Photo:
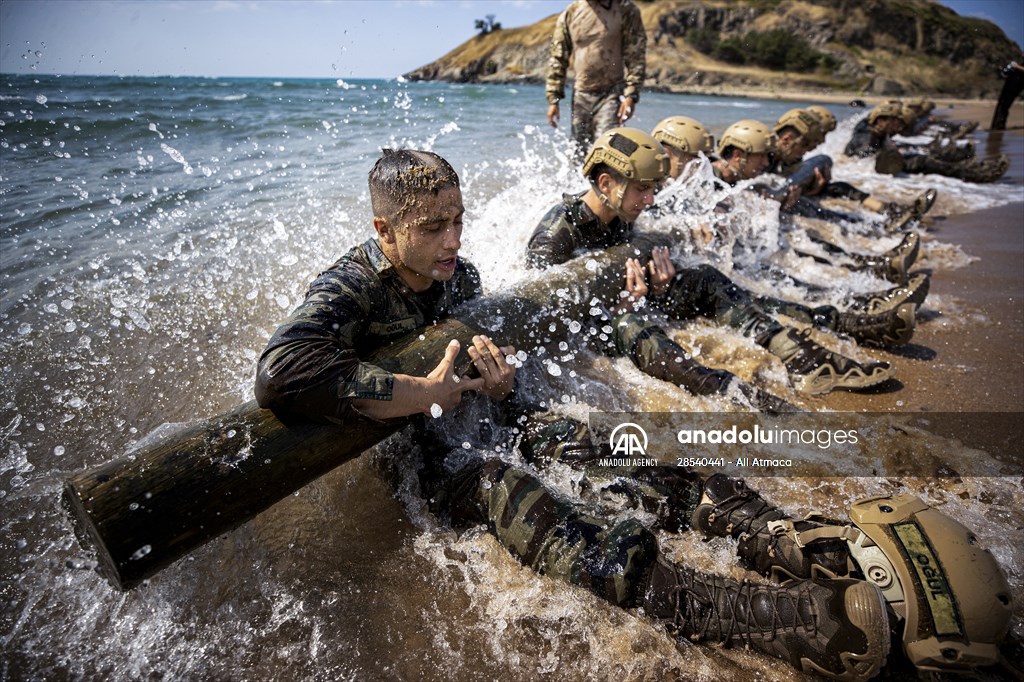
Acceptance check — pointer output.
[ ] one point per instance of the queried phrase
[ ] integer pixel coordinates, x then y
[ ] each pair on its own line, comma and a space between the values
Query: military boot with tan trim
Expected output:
835, 628
814, 370
768, 540
881, 330
914, 291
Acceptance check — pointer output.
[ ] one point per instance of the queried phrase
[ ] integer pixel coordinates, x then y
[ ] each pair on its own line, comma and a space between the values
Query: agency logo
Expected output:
629, 440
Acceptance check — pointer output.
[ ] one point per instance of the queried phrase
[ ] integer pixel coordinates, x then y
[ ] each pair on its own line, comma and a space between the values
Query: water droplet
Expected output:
436, 411
141, 552
58, 451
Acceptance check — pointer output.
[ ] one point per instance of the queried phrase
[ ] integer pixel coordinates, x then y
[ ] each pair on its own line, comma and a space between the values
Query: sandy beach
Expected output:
971, 361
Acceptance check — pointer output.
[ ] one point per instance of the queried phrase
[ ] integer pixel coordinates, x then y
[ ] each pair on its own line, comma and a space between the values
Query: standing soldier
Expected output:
608, 44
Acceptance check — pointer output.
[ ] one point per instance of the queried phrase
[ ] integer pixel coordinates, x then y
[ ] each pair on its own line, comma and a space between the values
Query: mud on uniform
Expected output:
609, 48
312, 369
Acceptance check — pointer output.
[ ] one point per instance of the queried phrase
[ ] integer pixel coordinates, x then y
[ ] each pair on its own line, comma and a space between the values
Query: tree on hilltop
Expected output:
487, 24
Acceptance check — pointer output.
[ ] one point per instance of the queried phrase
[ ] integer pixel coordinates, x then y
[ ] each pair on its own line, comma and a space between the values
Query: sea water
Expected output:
153, 232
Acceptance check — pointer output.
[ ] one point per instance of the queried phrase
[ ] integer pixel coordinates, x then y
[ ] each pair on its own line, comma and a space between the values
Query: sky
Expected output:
280, 38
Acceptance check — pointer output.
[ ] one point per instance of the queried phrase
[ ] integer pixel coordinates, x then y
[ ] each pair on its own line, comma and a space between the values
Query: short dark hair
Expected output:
785, 129
401, 174
730, 151
600, 168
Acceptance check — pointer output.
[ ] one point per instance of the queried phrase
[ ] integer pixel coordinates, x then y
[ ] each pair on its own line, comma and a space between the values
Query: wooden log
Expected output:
149, 508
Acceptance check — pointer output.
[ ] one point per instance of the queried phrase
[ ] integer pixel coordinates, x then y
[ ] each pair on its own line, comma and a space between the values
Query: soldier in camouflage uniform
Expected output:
624, 166
826, 122
410, 276
607, 41
874, 319
743, 149
872, 137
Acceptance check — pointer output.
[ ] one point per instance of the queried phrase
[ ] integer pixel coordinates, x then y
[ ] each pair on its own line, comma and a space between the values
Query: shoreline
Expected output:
966, 352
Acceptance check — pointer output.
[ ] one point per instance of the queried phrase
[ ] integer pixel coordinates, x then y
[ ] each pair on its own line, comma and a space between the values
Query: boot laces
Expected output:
727, 614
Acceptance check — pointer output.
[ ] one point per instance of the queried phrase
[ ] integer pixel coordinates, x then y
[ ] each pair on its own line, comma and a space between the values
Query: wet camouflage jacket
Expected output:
571, 226
604, 42
312, 365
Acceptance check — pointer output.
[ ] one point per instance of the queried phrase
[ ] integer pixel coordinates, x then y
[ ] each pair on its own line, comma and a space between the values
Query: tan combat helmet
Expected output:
631, 153
804, 122
890, 109
920, 105
753, 137
948, 590
944, 588
824, 116
910, 115
684, 134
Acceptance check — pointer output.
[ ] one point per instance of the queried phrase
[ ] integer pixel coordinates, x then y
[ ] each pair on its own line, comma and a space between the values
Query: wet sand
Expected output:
969, 358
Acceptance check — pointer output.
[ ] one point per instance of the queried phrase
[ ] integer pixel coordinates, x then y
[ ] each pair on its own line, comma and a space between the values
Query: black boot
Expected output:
924, 202
835, 628
883, 330
729, 508
901, 216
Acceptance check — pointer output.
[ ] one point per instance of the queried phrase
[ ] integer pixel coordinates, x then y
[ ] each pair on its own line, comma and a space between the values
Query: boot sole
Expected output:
899, 263
866, 609
924, 202
825, 380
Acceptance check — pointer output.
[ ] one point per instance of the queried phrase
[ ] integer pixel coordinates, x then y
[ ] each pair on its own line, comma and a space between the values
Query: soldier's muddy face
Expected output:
428, 237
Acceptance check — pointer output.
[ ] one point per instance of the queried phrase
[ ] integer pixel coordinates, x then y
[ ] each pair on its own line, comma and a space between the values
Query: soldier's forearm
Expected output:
410, 395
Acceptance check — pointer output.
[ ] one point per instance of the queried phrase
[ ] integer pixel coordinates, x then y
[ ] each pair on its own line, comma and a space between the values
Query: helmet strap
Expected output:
615, 206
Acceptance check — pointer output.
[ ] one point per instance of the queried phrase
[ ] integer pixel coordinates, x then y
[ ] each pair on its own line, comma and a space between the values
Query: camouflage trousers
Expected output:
570, 539
705, 292
654, 353
593, 113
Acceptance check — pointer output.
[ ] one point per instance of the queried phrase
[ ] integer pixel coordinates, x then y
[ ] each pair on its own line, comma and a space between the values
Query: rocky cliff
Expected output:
871, 47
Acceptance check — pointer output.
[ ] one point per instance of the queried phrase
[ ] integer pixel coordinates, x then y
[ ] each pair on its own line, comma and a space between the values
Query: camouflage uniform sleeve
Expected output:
634, 51
554, 240
558, 64
310, 367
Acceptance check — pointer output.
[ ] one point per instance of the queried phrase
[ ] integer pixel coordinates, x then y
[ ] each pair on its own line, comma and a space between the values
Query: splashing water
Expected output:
152, 234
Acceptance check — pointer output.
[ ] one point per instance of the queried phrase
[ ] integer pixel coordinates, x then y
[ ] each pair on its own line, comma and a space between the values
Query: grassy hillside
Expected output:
874, 47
